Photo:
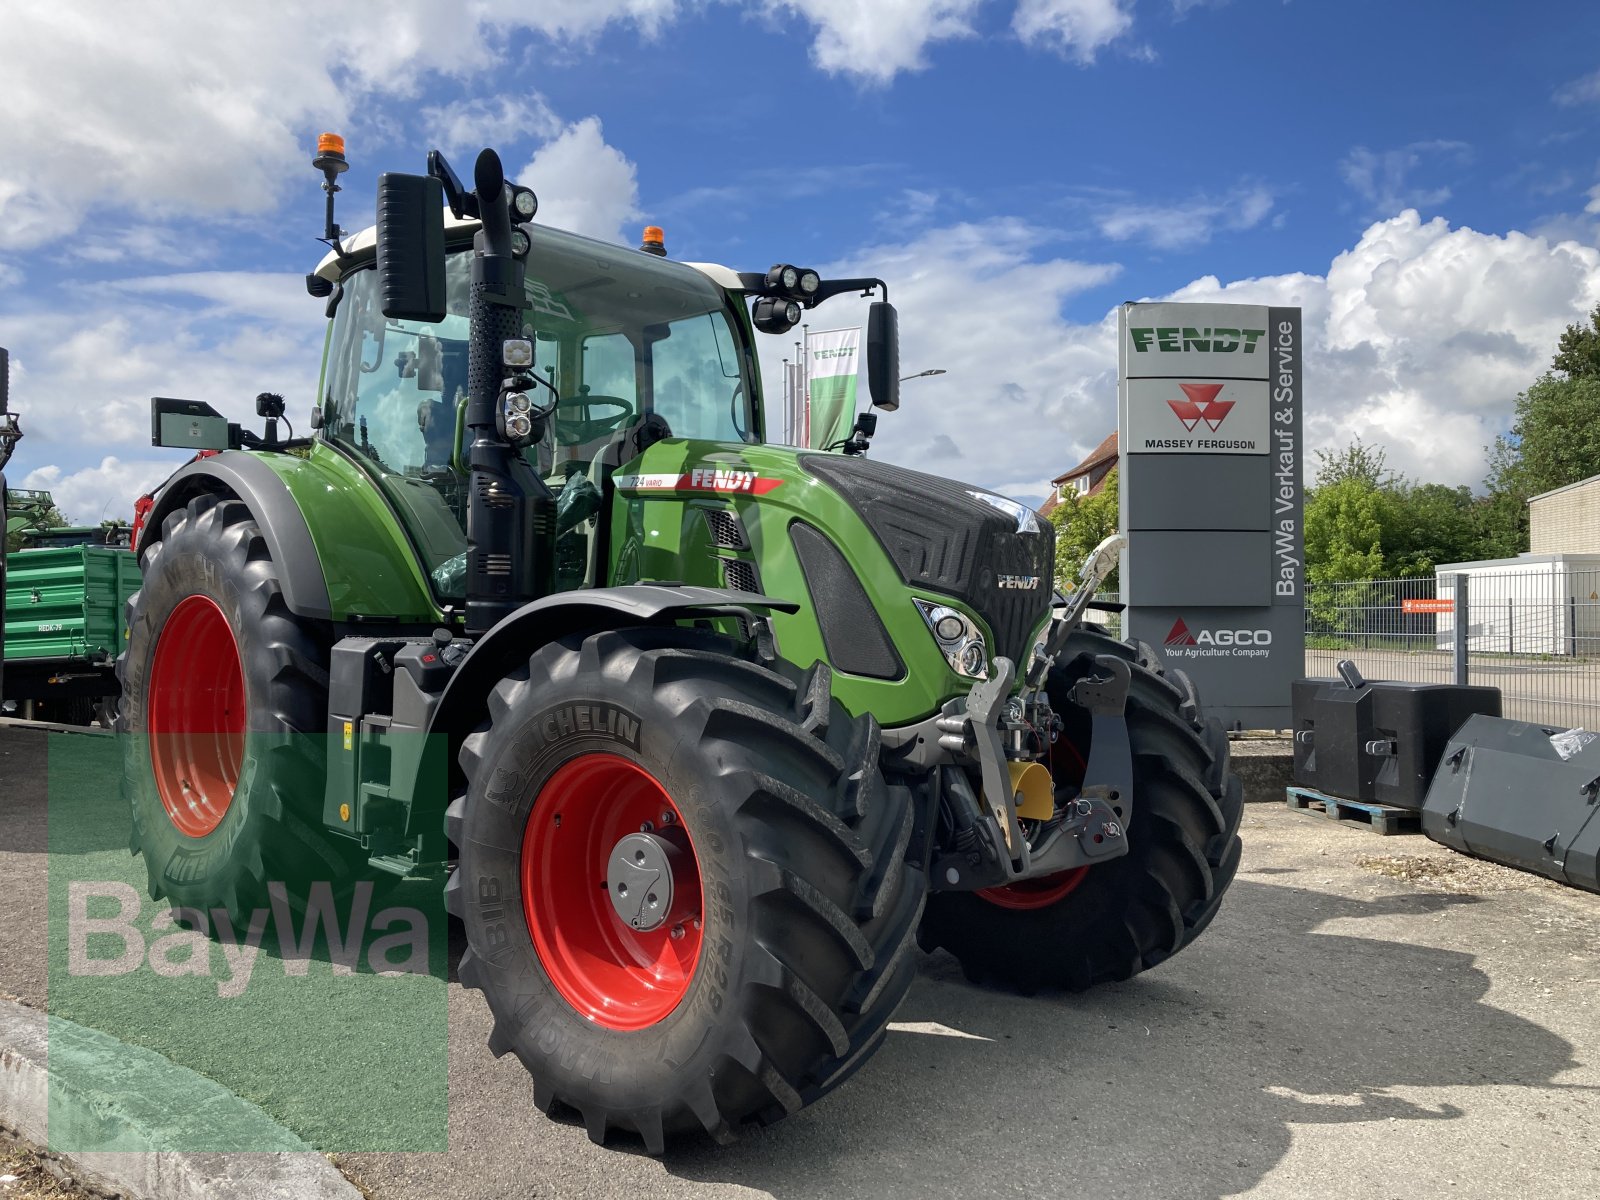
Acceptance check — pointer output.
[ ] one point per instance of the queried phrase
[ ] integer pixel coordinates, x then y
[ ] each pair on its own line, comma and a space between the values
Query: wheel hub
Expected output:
619, 958
640, 877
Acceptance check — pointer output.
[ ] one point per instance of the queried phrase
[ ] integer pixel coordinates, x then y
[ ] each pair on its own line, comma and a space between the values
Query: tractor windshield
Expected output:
618, 333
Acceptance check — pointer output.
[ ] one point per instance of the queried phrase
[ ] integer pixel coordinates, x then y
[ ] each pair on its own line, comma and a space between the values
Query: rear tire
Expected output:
224, 722
808, 908
1121, 917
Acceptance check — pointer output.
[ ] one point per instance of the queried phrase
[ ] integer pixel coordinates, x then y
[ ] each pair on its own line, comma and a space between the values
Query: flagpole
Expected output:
805, 331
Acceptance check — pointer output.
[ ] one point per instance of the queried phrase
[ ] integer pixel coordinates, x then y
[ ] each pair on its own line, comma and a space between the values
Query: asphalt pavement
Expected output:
1367, 1017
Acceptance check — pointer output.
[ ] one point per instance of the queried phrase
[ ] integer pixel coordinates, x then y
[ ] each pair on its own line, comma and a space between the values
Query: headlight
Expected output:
518, 427
775, 315
517, 402
960, 640
790, 279
524, 203
809, 282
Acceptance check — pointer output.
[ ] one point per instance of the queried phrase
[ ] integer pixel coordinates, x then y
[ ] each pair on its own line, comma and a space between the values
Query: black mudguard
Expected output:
463, 705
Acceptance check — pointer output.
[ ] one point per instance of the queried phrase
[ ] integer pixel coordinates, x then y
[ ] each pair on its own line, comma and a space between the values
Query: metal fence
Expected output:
1531, 630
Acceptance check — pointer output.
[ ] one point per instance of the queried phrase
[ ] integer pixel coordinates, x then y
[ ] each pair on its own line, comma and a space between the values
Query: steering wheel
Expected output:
589, 428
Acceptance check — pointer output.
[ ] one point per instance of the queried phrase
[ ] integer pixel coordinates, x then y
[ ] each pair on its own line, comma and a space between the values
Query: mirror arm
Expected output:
838, 287
755, 284
462, 202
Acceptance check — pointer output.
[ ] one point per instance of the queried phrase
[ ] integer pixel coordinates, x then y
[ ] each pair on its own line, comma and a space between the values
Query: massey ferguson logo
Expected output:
1021, 583
1207, 643
1202, 405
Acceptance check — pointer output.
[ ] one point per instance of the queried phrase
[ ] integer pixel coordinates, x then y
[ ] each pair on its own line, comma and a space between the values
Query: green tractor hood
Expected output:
857, 544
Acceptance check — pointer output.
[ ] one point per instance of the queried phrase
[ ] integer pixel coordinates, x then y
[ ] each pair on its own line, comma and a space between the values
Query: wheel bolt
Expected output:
646, 827
677, 932
666, 818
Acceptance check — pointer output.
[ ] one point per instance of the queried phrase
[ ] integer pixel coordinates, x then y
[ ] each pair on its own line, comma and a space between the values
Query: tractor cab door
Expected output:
622, 337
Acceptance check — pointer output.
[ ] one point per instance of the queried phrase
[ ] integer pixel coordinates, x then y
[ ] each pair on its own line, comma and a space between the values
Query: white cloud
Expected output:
1411, 345
1189, 223
1020, 380
470, 125
1594, 200
1386, 179
1585, 90
583, 184
101, 493
874, 40
1075, 29
99, 117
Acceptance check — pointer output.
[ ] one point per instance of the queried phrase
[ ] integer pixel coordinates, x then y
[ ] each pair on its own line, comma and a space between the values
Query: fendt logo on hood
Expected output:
1208, 643
1202, 405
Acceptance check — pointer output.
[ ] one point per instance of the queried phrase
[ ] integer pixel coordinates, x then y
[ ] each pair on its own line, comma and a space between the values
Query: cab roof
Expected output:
364, 245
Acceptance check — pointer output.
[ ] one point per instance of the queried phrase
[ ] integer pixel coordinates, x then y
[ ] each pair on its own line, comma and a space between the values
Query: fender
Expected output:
283, 526
589, 610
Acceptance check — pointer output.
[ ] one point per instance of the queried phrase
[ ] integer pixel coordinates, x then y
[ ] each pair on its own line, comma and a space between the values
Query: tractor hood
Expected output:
990, 553
859, 545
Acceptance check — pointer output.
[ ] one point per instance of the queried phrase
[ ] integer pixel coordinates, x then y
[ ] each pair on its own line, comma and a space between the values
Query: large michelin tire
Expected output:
1110, 921
794, 933
224, 721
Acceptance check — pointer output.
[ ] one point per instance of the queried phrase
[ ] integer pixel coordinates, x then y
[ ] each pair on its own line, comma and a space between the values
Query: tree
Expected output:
1344, 532
1426, 524
1355, 461
1554, 441
1082, 523
1578, 351
42, 517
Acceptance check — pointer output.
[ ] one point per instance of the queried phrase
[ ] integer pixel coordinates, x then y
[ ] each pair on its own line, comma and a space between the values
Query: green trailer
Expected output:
64, 627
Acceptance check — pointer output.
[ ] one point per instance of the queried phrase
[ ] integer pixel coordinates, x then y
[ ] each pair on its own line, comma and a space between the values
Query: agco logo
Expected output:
1202, 405
1181, 635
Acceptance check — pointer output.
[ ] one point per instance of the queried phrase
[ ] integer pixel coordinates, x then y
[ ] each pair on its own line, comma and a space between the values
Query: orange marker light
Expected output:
654, 241
654, 233
330, 143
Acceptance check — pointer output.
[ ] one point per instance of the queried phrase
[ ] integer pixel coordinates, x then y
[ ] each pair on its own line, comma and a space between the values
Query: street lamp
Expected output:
923, 374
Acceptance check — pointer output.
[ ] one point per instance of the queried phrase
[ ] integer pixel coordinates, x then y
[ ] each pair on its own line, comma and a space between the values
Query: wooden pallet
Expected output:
1380, 818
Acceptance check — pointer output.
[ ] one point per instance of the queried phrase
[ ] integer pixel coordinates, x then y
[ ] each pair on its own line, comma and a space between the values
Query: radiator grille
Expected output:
725, 529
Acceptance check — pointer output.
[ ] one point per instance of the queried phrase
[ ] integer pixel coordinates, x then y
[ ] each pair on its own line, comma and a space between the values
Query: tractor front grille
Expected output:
943, 537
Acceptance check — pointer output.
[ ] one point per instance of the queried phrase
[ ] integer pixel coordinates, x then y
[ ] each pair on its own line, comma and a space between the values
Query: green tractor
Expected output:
730, 727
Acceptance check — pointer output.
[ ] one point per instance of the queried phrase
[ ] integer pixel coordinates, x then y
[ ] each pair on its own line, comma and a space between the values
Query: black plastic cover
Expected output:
1379, 742
852, 632
1504, 792
942, 537
411, 247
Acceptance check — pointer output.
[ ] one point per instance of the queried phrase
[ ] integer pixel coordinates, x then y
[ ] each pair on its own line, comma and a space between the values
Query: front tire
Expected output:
793, 936
224, 721
1110, 921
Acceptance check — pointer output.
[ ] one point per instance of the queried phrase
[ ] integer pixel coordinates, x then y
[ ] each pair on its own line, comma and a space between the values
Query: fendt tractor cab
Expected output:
728, 727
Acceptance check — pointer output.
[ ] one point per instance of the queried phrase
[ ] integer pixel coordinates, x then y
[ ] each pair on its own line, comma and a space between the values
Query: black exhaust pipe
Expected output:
511, 514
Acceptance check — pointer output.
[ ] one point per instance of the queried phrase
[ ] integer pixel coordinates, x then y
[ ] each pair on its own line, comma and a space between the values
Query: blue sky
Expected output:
1424, 178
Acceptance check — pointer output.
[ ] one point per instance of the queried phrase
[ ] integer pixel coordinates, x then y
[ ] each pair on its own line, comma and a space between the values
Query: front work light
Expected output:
776, 315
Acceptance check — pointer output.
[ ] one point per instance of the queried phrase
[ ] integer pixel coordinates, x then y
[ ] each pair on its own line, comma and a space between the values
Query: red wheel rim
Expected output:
614, 975
1031, 894
196, 716
1035, 893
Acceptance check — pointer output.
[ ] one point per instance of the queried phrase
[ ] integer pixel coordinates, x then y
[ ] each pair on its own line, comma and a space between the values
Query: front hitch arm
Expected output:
1094, 826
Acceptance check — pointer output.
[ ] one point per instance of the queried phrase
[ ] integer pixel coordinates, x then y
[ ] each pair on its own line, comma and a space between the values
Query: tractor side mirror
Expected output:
883, 355
411, 247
